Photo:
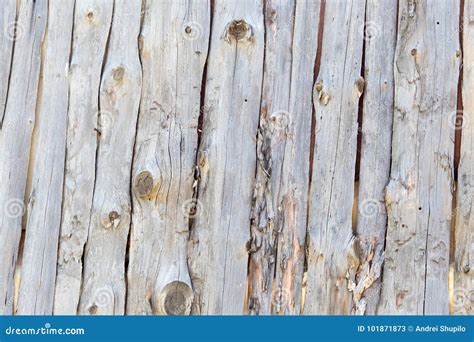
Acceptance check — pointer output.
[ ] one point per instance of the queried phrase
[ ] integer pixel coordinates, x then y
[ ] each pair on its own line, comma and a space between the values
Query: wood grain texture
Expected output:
330, 242
15, 139
220, 235
92, 22
7, 39
175, 33
463, 287
104, 288
279, 221
380, 37
419, 195
47, 162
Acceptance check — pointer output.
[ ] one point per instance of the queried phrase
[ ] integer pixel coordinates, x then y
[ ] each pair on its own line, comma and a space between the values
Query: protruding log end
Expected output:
238, 31
175, 299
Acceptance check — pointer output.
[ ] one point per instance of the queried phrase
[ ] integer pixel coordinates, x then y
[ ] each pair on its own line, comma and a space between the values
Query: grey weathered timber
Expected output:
463, 287
332, 262
7, 38
15, 139
220, 235
174, 43
38, 272
379, 33
419, 195
92, 21
278, 224
103, 287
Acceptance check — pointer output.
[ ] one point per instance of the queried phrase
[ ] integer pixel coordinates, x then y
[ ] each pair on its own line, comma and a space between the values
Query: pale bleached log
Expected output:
174, 43
280, 198
330, 243
92, 19
419, 195
380, 37
15, 139
220, 235
463, 289
7, 38
103, 287
38, 271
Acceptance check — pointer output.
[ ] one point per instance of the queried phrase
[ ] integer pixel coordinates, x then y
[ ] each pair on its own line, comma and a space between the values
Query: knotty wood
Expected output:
15, 139
175, 33
330, 242
280, 204
91, 30
463, 287
104, 288
379, 33
7, 38
220, 235
419, 195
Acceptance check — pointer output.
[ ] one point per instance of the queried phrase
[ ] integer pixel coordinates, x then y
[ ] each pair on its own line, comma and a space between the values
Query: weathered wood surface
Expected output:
15, 138
419, 196
201, 157
278, 222
379, 35
47, 162
463, 288
331, 258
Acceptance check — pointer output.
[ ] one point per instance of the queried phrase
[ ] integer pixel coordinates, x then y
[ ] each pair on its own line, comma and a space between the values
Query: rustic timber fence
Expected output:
237, 157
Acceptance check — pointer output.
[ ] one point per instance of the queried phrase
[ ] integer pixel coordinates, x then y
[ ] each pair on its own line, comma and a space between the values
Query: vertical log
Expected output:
330, 244
220, 234
7, 38
103, 290
174, 44
47, 163
419, 195
15, 138
280, 198
92, 21
463, 302
380, 38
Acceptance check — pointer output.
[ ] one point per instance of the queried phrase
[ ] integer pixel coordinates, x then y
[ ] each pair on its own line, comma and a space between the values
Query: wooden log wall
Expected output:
256, 157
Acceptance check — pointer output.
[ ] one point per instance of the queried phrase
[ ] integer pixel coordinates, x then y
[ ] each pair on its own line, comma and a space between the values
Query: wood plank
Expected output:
463, 289
15, 139
279, 215
103, 288
10, 32
38, 274
379, 32
330, 243
92, 19
218, 254
174, 44
419, 195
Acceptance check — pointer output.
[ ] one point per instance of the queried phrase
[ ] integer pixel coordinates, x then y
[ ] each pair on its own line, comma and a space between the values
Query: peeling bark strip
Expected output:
330, 244
419, 195
218, 243
280, 197
91, 29
15, 139
379, 34
103, 290
174, 43
463, 296
38, 272
7, 38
